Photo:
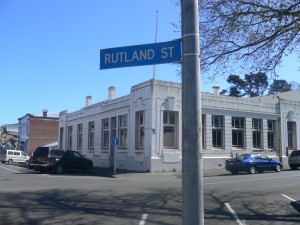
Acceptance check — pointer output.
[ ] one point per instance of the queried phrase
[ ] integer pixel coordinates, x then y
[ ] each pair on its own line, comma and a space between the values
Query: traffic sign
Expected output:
140, 55
115, 141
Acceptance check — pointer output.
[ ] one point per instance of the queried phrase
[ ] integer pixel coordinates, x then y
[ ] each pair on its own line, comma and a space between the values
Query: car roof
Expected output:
296, 152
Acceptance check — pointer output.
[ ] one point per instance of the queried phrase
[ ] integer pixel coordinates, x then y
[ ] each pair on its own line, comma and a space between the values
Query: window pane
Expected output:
106, 139
217, 121
141, 118
165, 117
123, 138
141, 138
169, 136
234, 138
238, 138
270, 125
270, 140
256, 139
217, 138
91, 134
172, 118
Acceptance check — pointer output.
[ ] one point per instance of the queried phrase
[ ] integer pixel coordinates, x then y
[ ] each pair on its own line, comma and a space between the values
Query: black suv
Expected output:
68, 160
42, 155
294, 160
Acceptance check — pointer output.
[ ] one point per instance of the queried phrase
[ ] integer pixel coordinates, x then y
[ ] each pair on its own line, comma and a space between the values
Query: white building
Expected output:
147, 123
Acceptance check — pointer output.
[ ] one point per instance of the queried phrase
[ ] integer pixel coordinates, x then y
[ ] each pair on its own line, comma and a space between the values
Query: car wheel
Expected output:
88, 169
59, 169
3, 161
252, 170
10, 161
294, 167
278, 168
42, 170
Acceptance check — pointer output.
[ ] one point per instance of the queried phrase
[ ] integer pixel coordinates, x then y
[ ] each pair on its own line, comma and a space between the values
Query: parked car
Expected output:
68, 160
42, 156
294, 159
11, 156
252, 163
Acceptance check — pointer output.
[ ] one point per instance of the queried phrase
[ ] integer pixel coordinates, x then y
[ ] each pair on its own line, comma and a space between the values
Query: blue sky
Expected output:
49, 51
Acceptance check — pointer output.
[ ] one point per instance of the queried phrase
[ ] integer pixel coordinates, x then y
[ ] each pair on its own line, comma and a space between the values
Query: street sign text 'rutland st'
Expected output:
140, 55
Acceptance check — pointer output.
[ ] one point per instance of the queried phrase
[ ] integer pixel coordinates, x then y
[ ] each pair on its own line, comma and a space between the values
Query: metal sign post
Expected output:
192, 162
115, 143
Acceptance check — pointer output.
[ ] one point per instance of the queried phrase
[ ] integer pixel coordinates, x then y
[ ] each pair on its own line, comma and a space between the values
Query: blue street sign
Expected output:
140, 55
115, 141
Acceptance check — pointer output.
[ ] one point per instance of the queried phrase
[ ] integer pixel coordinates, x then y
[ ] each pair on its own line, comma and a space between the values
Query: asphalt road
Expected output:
28, 197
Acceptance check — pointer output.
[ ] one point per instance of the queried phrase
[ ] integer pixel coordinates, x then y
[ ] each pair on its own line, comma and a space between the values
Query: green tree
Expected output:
253, 84
279, 86
237, 36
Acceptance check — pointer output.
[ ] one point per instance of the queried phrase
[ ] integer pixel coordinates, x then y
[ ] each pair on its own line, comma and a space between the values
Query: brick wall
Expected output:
41, 132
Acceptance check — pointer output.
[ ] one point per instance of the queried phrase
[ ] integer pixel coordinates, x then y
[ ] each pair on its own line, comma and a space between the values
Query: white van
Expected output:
11, 156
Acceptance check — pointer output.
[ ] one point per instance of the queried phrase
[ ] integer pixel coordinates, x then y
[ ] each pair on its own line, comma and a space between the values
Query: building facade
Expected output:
35, 131
147, 123
9, 136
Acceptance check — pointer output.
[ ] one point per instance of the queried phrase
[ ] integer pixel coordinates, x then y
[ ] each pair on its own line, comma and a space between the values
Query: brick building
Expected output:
35, 131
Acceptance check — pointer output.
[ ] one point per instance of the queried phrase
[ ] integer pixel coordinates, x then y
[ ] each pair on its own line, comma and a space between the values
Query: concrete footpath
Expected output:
108, 172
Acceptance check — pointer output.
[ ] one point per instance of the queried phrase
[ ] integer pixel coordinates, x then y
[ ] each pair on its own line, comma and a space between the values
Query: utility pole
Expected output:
192, 162
156, 30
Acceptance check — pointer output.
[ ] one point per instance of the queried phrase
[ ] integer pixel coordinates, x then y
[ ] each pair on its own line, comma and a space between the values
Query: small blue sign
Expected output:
115, 141
140, 55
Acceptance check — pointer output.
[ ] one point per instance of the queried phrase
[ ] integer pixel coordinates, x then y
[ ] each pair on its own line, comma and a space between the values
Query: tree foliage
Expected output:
247, 35
253, 84
279, 86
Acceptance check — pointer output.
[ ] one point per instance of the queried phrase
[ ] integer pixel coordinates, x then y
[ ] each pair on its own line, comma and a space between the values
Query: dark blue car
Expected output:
251, 163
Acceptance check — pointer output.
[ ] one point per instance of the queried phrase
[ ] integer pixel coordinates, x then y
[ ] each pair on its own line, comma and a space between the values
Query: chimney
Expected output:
216, 89
111, 93
45, 112
88, 100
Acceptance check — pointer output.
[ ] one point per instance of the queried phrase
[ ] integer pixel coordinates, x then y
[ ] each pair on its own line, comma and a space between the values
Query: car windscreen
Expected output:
41, 151
241, 157
56, 153
295, 153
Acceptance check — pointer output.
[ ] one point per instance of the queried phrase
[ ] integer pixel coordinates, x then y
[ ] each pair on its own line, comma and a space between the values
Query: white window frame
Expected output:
257, 133
217, 131
91, 135
70, 133
105, 133
79, 136
271, 134
123, 131
291, 132
140, 129
238, 129
170, 123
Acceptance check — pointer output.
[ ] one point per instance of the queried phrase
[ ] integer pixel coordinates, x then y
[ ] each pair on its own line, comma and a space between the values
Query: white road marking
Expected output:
293, 200
238, 181
10, 169
143, 220
234, 215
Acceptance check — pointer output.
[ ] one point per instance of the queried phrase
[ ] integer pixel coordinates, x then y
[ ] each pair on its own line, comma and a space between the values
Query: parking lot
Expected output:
28, 197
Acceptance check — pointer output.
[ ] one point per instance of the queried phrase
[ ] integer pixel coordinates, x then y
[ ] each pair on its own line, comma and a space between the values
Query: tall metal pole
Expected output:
156, 27
192, 162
